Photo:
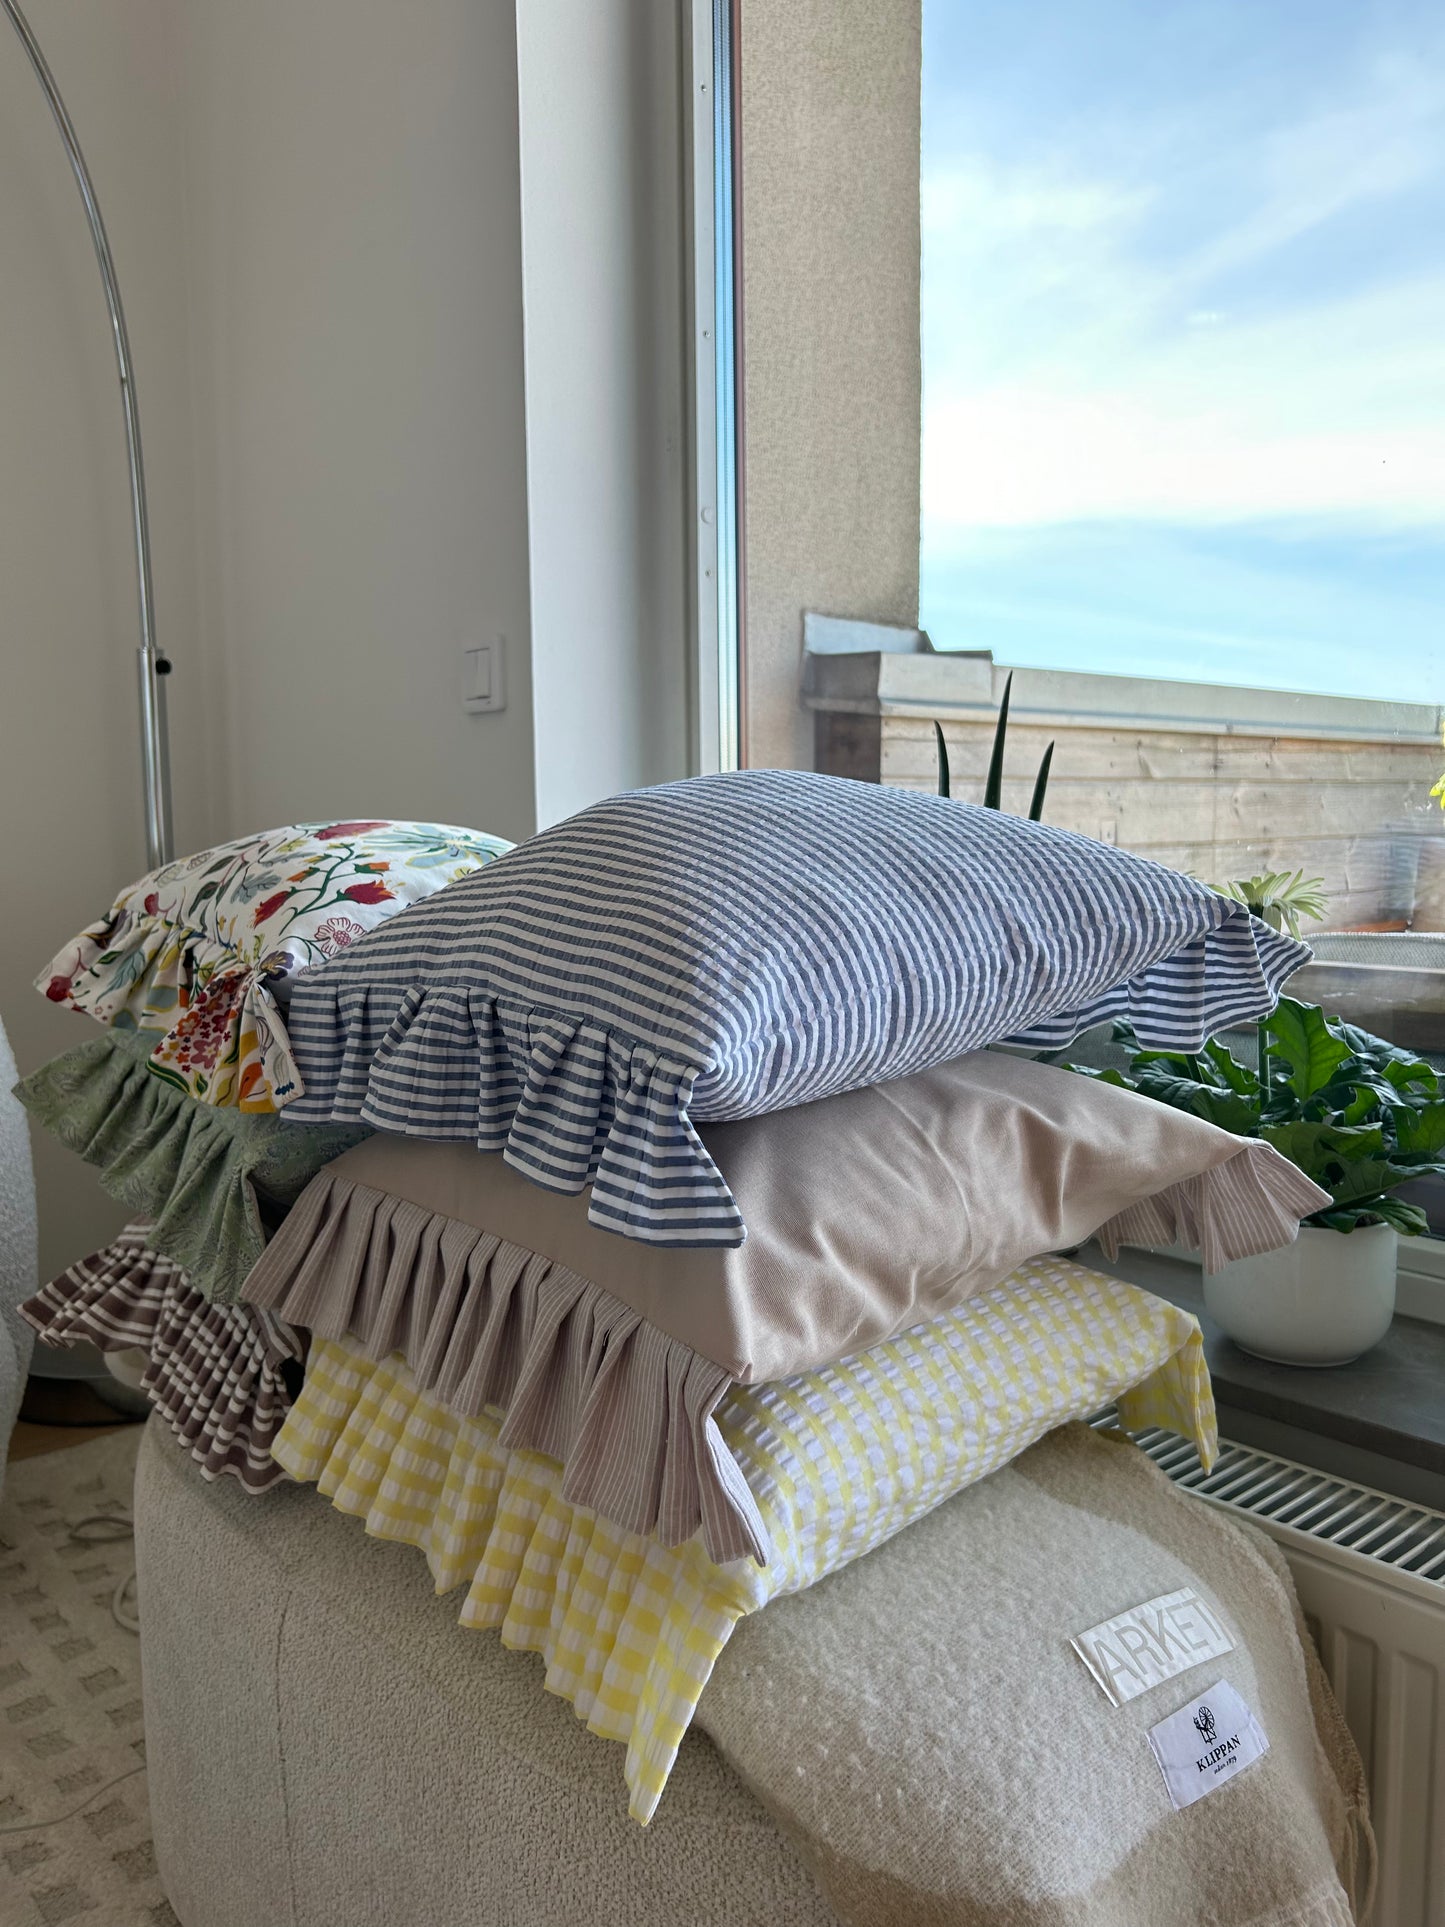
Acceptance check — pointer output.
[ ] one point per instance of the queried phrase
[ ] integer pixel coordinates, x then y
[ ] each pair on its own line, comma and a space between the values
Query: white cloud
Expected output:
1350, 154
1086, 360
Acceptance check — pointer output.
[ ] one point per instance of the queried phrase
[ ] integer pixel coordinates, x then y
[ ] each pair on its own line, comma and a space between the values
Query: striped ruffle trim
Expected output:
1251, 1203
568, 1102
486, 1325
215, 1373
1226, 976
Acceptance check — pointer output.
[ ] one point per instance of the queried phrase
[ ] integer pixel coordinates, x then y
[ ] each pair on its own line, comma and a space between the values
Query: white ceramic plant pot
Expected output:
1321, 1301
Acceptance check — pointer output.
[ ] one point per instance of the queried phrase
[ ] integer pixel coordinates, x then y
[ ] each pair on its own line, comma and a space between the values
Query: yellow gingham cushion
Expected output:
839, 1460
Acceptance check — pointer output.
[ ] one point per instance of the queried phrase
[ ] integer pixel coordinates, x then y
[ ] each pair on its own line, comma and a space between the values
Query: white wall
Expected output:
602, 230
318, 210
69, 760
357, 357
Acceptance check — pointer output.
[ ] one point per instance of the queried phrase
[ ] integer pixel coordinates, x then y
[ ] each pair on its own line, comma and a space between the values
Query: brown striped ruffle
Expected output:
215, 1372
1253, 1202
486, 1324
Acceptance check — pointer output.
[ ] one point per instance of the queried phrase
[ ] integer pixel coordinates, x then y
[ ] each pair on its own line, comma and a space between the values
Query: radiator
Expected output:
1370, 1573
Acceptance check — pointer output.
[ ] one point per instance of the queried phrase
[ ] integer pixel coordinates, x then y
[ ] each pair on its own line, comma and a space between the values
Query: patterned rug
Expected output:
75, 1837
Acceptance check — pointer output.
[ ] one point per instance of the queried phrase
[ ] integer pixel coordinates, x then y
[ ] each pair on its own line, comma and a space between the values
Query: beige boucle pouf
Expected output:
328, 1748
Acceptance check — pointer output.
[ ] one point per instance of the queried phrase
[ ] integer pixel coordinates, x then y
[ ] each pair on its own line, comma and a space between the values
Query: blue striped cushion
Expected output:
736, 944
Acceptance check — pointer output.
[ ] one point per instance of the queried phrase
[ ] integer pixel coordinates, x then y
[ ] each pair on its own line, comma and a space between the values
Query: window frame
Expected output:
711, 155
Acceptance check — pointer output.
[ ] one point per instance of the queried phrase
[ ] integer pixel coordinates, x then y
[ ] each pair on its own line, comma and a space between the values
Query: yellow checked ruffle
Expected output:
838, 1459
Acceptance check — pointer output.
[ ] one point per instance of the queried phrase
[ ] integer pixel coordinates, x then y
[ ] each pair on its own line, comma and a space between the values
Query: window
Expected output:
1184, 439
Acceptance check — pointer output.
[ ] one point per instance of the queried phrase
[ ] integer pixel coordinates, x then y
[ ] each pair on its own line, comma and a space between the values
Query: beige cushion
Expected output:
876, 1210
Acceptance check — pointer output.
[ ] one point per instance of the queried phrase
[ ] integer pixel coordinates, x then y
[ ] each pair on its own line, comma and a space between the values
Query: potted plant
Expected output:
1279, 898
1358, 1116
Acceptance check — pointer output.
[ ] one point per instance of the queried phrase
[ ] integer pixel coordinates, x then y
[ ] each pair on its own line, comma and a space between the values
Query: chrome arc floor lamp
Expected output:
152, 664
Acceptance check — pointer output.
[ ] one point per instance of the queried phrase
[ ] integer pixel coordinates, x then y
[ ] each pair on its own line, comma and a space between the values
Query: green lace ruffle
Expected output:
208, 1178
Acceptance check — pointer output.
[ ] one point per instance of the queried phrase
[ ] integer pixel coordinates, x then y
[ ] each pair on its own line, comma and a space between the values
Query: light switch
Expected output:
483, 680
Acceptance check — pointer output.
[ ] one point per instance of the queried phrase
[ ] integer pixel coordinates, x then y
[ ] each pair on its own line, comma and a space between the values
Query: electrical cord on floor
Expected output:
123, 1605
108, 1529
35, 1826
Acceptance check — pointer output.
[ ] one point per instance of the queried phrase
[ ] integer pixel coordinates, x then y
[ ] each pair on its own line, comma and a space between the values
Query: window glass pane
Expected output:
1184, 439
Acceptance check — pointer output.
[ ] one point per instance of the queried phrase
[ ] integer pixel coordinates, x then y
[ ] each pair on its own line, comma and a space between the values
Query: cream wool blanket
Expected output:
920, 1725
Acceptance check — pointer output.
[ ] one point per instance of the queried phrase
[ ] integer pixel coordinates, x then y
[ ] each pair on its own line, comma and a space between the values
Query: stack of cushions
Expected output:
741, 1021
175, 1101
619, 1451
738, 1021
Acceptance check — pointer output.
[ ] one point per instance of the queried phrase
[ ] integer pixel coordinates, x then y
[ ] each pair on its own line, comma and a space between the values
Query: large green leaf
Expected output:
1230, 1072
1367, 1178
1303, 1041
1352, 1099
1180, 1062
1361, 1105
1107, 1075
1225, 1108
1401, 1067
1212, 1066
1411, 1074
1321, 1149
1408, 1218
1419, 1132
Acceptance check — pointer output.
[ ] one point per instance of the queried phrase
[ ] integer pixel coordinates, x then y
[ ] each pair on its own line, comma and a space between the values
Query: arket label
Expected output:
1151, 1643
1206, 1743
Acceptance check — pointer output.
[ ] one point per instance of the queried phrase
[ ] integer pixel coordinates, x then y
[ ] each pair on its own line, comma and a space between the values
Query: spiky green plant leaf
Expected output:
1041, 784
993, 782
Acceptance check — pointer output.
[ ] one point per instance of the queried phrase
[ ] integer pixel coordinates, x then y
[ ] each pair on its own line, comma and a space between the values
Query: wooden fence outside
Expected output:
1220, 782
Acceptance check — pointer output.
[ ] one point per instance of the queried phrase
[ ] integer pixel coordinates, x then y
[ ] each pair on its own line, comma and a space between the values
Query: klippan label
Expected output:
1206, 1743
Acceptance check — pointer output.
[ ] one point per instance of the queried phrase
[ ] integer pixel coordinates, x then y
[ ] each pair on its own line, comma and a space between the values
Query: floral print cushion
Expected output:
204, 949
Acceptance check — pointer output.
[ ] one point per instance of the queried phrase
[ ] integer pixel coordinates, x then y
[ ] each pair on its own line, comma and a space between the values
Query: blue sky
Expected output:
1184, 338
